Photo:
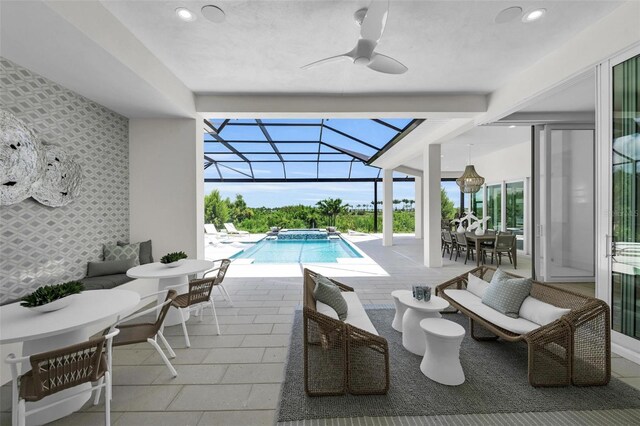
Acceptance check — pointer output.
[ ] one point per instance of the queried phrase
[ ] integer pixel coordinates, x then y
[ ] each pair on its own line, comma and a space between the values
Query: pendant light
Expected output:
470, 182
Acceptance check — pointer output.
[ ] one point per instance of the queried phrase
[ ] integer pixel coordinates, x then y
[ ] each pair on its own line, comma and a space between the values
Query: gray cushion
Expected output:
116, 252
506, 294
330, 294
105, 282
109, 267
145, 251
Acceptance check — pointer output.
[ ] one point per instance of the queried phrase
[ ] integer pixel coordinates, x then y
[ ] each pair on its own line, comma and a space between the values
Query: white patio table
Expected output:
412, 335
41, 332
177, 278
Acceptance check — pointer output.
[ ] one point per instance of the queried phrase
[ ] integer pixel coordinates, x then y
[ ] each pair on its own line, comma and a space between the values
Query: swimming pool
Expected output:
299, 251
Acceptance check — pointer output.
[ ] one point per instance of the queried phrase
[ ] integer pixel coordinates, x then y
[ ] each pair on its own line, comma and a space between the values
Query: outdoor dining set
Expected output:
479, 247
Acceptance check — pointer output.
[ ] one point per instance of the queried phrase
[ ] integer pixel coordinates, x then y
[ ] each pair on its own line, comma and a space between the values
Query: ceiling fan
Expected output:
372, 21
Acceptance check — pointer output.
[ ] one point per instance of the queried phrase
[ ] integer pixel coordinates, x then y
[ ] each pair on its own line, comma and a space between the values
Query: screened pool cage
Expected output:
299, 150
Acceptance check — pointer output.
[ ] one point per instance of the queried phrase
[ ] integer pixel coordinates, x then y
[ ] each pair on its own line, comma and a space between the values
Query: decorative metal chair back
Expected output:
171, 294
64, 368
200, 290
462, 239
446, 236
505, 242
222, 271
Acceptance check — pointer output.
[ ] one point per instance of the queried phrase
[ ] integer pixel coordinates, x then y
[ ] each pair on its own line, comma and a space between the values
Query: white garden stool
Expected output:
400, 308
417, 310
441, 362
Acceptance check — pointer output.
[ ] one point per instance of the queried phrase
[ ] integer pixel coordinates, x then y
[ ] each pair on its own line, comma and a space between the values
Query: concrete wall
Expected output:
166, 189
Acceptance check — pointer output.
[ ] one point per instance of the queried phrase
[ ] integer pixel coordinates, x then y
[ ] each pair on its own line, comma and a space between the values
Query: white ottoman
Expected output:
417, 310
400, 308
441, 362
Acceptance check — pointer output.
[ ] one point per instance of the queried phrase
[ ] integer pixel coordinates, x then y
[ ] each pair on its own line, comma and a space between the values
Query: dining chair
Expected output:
504, 243
447, 243
61, 369
148, 331
462, 243
199, 296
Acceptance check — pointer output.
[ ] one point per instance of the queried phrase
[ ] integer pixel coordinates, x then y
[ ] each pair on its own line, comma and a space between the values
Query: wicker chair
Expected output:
447, 243
503, 244
338, 357
199, 296
148, 332
575, 349
462, 244
57, 370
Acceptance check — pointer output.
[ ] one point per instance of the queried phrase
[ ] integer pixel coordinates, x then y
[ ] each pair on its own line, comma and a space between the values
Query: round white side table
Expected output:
417, 310
177, 278
441, 362
400, 308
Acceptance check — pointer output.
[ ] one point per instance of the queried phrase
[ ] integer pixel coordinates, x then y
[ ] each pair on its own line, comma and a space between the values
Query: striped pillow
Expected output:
330, 294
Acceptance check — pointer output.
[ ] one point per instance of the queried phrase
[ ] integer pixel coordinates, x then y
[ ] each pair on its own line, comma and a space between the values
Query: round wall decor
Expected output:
21, 159
60, 182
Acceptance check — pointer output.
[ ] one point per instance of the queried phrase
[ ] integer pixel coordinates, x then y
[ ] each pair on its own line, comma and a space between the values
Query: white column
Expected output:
432, 211
387, 208
419, 218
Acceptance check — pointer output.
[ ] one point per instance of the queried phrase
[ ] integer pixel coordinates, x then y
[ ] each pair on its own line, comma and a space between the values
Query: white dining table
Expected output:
176, 278
75, 323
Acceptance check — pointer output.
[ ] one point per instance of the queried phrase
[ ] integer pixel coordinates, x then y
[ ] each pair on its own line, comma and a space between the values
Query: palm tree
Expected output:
331, 208
405, 201
396, 202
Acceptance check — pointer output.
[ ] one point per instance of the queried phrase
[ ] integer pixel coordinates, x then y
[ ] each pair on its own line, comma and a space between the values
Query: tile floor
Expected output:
235, 378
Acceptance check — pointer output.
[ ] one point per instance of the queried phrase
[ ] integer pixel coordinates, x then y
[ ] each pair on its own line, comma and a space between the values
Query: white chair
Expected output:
210, 229
60, 369
199, 296
231, 229
148, 332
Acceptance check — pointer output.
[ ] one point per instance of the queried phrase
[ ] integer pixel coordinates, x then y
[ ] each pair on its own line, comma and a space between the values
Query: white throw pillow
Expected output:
540, 312
476, 285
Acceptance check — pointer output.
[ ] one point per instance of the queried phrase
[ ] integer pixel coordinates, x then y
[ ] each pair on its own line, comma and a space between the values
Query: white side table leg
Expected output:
441, 362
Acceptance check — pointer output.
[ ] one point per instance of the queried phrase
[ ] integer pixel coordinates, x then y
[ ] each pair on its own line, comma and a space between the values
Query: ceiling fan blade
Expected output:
375, 20
386, 64
327, 60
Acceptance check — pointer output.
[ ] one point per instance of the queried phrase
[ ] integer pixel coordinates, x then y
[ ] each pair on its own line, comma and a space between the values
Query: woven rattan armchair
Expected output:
58, 370
575, 349
338, 357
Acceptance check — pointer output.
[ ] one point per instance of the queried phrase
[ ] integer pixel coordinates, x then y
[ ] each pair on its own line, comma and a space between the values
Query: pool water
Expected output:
298, 251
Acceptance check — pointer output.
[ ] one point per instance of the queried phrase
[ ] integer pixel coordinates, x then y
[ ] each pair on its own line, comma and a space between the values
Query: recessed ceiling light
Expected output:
213, 13
513, 126
534, 15
185, 14
508, 14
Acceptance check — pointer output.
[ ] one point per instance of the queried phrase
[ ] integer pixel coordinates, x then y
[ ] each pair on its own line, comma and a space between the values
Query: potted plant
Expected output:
173, 259
50, 298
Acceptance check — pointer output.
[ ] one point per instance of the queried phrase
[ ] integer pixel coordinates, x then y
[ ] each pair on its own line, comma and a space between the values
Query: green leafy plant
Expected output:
49, 293
173, 257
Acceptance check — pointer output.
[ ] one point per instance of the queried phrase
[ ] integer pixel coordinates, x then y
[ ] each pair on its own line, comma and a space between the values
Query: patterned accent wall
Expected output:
43, 245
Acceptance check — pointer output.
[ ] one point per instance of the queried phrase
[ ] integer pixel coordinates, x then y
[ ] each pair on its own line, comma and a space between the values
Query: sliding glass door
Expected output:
515, 211
625, 200
494, 206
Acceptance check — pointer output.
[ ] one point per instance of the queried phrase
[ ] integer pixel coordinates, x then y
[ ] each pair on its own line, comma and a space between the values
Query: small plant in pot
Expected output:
50, 298
173, 259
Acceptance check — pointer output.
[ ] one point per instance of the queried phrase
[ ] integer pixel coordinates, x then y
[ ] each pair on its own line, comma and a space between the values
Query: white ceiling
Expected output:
578, 96
449, 46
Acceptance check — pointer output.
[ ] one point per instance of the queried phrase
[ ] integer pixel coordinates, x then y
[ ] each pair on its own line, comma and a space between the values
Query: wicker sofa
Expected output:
574, 349
341, 357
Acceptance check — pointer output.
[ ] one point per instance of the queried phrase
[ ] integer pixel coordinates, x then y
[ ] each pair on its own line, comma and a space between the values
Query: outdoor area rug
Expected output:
496, 382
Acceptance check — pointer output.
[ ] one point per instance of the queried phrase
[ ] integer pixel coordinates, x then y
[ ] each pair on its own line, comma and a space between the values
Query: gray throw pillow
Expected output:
109, 267
116, 252
145, 251
505, 294
330, 294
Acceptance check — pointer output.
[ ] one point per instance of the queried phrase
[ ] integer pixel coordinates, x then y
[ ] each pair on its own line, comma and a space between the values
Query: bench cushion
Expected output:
540, 312
356, 316
105, 282
474, 304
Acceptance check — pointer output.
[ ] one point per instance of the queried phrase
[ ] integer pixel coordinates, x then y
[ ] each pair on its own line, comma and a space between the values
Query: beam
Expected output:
273, 146
342, 106
304, 180
215, 134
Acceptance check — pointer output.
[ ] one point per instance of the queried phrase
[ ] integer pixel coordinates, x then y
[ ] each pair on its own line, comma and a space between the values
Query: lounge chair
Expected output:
210, 229
231, 229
